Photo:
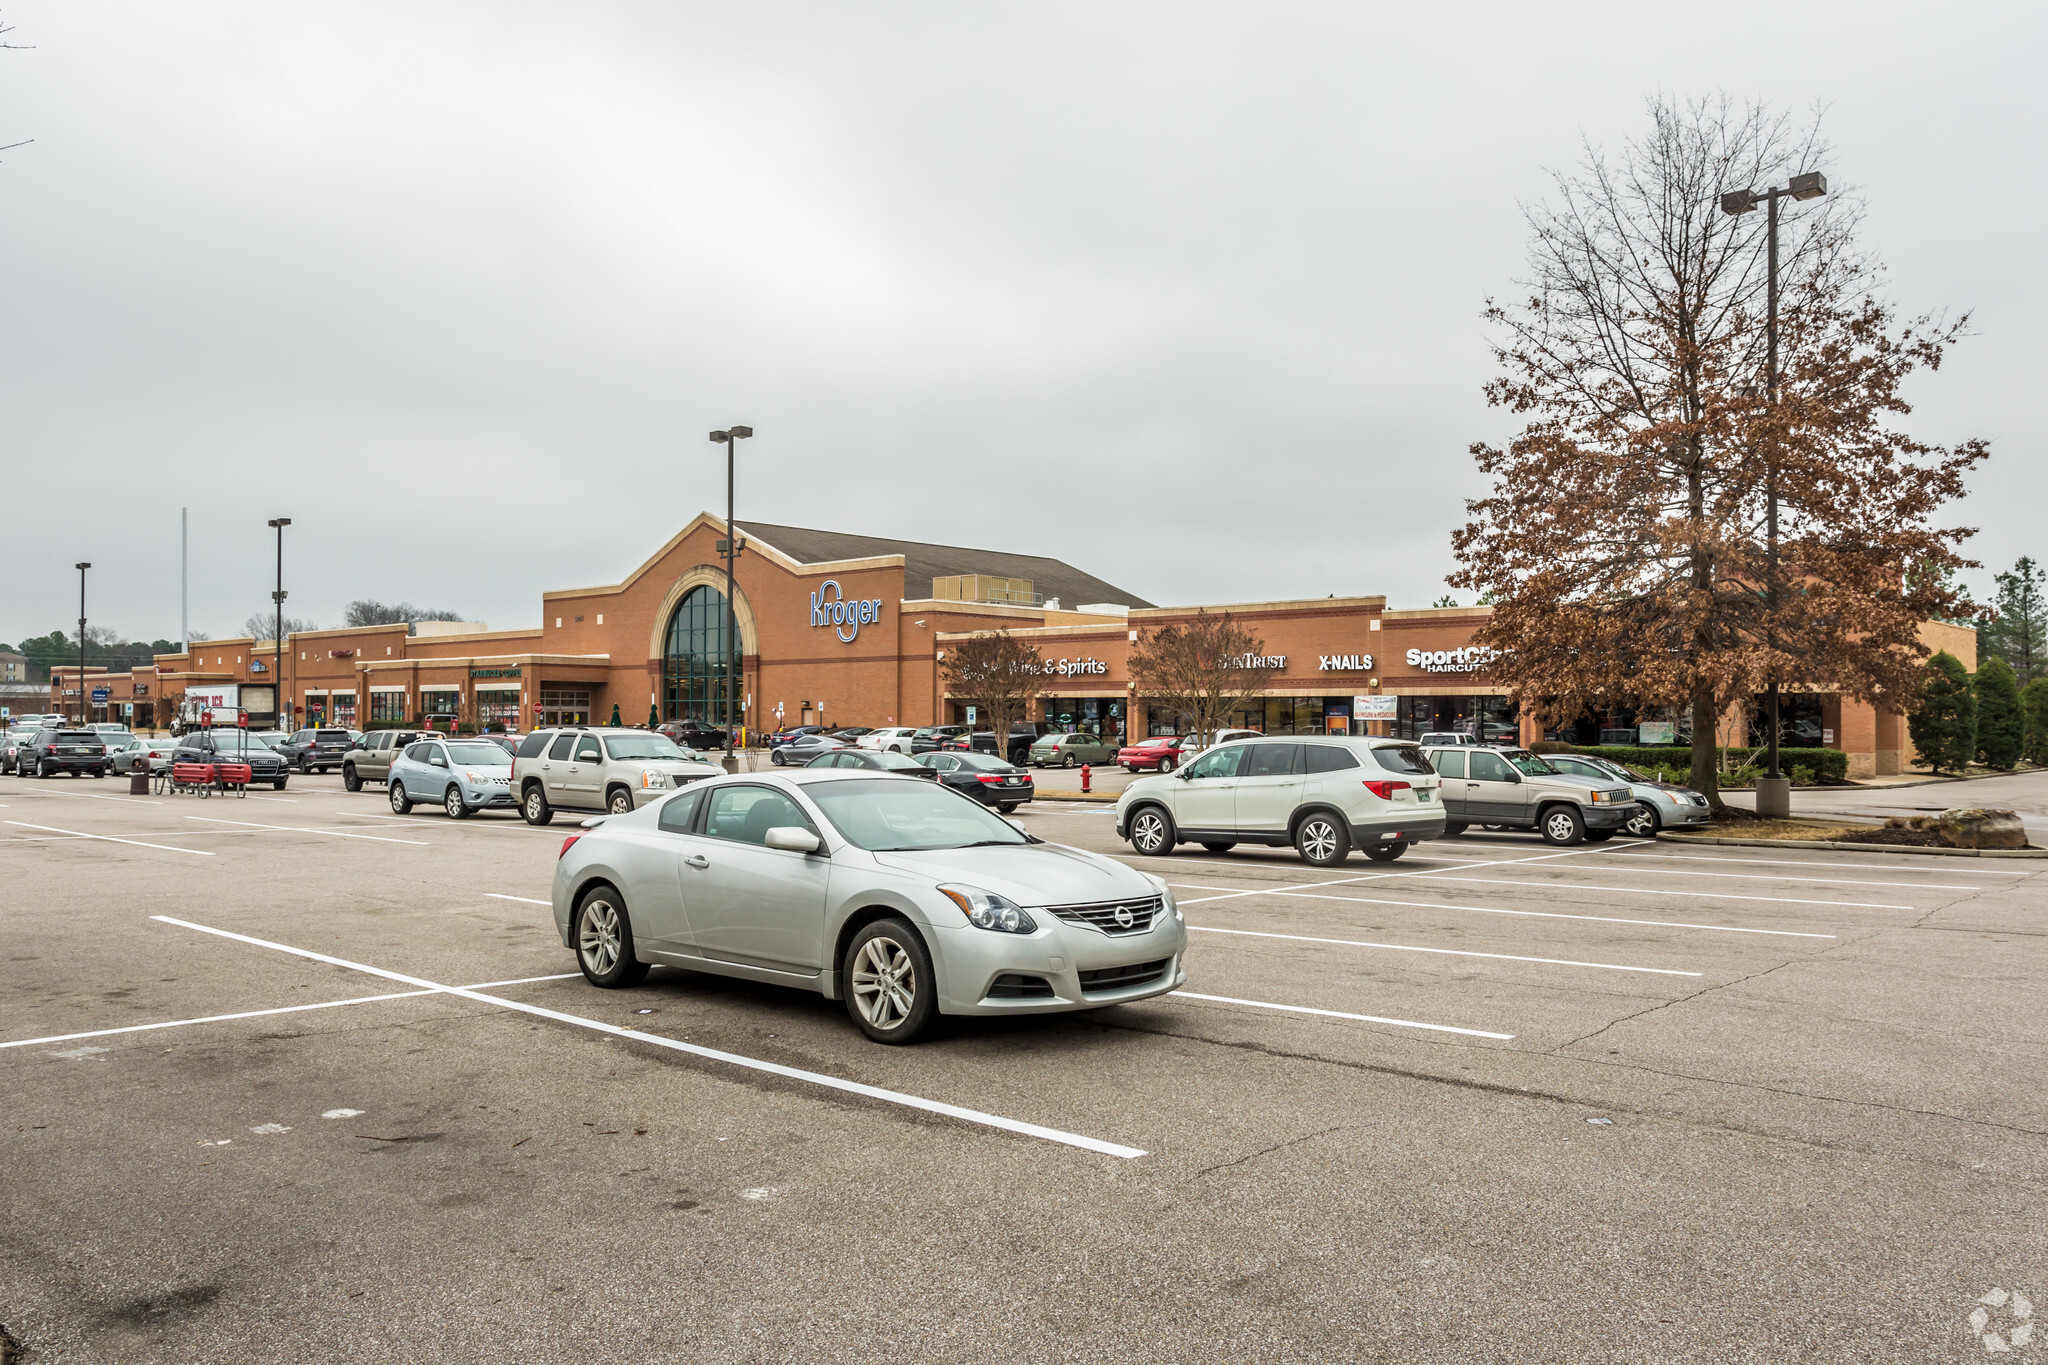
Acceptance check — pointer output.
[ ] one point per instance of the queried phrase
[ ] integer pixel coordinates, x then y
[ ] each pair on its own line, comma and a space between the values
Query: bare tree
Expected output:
1623, 541
263, 625
1199, 671
999, 675
369, 612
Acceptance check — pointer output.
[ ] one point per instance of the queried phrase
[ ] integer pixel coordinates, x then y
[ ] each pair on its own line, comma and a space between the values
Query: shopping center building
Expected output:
838, 629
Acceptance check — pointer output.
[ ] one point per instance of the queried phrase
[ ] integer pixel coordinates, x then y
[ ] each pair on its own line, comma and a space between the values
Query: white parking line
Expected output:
300, 829
1382, 876
523, 900
1651, 891
1781, 877
711, 1054
1446, 952
1340, 1014
108, 838
1544, 914
282, 1009
1635, 856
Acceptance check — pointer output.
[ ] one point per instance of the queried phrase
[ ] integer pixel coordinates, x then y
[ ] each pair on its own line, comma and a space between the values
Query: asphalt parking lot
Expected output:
1497, 1101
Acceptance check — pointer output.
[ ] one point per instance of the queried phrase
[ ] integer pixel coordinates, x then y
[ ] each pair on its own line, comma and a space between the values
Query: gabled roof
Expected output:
923, 562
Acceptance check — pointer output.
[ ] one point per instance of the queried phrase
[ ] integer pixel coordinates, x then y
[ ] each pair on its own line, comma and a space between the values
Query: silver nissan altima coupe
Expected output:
900, 897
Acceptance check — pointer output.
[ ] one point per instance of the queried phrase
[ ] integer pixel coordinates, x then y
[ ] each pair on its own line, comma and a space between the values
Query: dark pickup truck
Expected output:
316, 751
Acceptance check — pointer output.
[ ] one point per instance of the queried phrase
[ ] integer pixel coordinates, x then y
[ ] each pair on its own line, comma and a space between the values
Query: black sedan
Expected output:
874, 762
693, 734
984, 777
62, 751
234, 746
802, 749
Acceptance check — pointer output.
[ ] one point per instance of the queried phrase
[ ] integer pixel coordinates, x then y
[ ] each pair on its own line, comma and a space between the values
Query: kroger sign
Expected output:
844, 616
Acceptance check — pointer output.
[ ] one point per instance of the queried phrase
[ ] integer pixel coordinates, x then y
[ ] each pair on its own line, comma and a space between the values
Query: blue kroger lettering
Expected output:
846, 617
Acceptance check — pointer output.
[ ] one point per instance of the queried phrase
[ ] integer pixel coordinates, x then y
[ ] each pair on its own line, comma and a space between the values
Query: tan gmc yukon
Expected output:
1515, 789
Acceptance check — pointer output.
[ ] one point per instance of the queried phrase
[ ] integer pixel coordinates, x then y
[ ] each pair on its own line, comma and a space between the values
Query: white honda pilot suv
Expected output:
1325, 794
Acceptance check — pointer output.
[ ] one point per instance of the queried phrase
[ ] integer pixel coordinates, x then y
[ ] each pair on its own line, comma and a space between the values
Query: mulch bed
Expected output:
1910, 838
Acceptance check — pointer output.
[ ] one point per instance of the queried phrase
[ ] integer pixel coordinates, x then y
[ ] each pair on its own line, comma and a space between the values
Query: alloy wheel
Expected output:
452, 803
884, 982
622, 802
597, 941
1643, 824
1148, 831
1318, 841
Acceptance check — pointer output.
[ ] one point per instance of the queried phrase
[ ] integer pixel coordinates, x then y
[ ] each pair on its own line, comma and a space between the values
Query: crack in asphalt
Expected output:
1264, 1151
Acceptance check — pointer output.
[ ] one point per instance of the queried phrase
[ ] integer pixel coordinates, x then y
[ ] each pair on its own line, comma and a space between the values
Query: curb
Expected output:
1855, 848
1077, 798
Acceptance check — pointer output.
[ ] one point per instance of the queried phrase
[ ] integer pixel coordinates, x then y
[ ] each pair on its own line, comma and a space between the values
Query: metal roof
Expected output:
923, 562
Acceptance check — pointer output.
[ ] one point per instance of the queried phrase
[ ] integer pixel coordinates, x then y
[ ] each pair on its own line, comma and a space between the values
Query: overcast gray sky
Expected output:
1187, 294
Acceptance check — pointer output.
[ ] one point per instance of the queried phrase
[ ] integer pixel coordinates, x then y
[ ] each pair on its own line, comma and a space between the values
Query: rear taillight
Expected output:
987, 777
566, 843
1384, 789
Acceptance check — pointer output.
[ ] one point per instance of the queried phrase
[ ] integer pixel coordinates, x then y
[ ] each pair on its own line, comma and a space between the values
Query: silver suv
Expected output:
1515, 789
608, 770
1323, 794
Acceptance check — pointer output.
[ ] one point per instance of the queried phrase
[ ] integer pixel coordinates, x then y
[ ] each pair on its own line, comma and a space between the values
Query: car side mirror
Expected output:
793, 839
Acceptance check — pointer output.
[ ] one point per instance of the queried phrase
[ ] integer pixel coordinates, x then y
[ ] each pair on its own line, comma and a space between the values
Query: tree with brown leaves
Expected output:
998, 675
1624, 539
1199, 671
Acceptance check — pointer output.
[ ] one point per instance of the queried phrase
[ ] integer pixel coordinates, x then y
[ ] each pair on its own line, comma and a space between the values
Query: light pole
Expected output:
730, 439
277, 675
84, 697
1773, 790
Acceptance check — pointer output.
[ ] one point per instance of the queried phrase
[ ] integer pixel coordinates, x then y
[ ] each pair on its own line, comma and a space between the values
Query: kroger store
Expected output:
843, 629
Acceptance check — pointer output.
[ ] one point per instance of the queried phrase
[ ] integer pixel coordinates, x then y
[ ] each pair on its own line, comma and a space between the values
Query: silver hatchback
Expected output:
903, 899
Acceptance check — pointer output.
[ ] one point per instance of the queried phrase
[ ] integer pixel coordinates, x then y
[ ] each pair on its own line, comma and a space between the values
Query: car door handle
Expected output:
697, 860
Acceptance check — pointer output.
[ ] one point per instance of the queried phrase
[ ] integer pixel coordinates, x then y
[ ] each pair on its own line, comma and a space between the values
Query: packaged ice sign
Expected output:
1469, 659
845, 615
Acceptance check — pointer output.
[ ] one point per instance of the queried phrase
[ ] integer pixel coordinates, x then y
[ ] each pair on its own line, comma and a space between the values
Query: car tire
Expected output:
882, 960
602, 931
1219, 847
1562, 825
1167, 765
452, 802
533, 806
42, 769
1321, 839
305, 770
351, 780
1386, 853
1644, 824
618, 801
279, 784
102, 772
1599, 836
1454, 828
401, 804
1067, 761
1007, 807
1130, 767
1152, 831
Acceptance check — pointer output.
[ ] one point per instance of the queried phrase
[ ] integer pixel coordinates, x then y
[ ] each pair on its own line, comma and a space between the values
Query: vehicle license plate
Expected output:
1423, 794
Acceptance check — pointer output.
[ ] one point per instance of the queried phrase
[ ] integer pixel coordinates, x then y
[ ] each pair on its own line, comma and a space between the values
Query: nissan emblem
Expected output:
1123, 917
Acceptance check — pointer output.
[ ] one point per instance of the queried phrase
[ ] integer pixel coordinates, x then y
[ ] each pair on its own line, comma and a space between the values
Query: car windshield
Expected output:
643, 746
886, 814
478, 753
1528, 763
238, 741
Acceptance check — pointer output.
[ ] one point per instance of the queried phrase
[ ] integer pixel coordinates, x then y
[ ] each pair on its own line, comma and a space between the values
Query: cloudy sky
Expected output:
1187, 294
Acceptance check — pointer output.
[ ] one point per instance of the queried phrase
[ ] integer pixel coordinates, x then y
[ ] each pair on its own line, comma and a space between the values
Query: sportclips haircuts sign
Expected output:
831, 607
1469, 659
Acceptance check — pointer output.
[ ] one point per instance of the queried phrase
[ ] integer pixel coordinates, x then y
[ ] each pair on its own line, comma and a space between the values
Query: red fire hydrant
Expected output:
1085, 777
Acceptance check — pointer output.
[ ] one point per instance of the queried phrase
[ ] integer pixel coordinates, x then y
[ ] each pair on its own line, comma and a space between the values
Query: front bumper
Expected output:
1687, 816
490, 797
974, 963
1608, 817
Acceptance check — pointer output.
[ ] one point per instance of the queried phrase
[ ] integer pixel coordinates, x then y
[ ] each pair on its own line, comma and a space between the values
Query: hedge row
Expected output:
1827, 765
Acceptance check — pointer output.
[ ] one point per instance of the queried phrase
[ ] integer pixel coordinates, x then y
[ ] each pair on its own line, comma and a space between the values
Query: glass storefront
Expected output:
342, 710
440, 701
497, 706
1802, 721
700, 659
564, 705
1490, 718
1274, 716
387, 706
1085, 715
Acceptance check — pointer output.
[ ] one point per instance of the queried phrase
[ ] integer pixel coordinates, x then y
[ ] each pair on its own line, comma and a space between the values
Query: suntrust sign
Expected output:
845, 616
1469, 659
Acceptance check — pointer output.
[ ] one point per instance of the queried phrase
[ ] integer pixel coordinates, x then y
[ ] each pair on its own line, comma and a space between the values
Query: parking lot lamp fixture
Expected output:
277, 676
1773, 801
730, 439
84, 697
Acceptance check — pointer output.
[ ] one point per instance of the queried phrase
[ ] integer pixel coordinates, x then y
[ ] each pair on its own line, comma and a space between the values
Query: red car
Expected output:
1164, 752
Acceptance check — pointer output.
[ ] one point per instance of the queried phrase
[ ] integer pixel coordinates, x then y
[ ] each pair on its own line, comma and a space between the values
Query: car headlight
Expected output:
987, 910
653, 779
1166, 900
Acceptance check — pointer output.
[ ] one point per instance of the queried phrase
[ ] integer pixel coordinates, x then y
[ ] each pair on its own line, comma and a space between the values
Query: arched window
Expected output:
699, 658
